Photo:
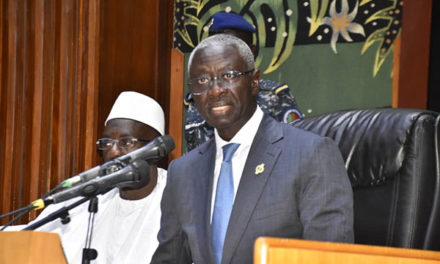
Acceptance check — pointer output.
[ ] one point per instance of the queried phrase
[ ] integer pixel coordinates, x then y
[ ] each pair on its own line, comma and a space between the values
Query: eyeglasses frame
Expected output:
116, 141
211, 80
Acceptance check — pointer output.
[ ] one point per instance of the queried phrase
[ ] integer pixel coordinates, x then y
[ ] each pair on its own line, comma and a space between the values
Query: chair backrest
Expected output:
391, 156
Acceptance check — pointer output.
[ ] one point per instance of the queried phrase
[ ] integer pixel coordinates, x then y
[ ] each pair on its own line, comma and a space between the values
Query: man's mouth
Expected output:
220, 109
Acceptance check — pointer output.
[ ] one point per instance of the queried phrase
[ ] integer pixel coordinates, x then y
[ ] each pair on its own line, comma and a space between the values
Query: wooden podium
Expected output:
30, 247
281, 251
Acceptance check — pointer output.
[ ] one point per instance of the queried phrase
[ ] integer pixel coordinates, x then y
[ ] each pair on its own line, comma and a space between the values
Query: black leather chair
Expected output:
392, 159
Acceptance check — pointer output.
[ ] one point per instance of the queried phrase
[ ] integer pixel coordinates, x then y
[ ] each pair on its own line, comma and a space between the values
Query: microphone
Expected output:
155, 150
135, 175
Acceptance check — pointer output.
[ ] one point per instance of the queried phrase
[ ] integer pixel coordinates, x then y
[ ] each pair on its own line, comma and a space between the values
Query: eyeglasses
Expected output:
123, 142
226, 80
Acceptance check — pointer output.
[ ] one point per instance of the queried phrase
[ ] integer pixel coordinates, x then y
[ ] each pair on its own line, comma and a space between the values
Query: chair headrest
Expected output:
374, 142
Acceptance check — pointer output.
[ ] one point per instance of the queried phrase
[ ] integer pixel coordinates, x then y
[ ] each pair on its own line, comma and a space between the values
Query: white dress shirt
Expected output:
245, 136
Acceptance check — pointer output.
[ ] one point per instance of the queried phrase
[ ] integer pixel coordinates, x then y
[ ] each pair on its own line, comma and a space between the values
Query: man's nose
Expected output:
216, 85
115, 151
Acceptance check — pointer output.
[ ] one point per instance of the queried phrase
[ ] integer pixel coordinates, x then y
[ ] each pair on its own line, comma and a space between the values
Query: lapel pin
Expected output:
259, 169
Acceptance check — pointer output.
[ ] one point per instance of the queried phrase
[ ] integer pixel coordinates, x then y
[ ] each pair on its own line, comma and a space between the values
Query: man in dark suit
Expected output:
256, 177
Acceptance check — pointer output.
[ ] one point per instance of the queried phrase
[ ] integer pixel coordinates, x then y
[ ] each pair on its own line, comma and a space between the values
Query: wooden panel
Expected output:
176, 99
128, 51
277, 250
48, 95
164, 60
6, 111
89, 83
410, 86
37, 111
434, 60
135, 52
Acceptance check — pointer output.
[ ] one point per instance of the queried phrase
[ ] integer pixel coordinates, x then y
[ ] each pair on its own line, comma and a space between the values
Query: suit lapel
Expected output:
203, 191
252, 183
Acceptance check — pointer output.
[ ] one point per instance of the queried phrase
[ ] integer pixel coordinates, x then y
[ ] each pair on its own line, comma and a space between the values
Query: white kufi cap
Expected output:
139, 107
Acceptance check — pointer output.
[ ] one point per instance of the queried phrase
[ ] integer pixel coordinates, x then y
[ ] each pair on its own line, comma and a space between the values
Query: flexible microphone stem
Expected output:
58, 213
35, 205
26, 208
133, 175
20, 215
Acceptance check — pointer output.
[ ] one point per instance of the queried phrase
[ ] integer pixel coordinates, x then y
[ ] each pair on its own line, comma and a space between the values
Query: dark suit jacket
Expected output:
303, 192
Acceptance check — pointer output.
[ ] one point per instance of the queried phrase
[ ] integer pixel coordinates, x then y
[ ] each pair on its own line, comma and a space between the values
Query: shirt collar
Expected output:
245, 135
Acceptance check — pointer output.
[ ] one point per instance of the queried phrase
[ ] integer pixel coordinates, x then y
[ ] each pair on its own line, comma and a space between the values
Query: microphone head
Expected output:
158, 149
168, 143
141, 175
111, 167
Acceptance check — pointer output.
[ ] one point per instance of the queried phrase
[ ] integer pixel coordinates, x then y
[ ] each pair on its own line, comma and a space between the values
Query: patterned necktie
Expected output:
224, 197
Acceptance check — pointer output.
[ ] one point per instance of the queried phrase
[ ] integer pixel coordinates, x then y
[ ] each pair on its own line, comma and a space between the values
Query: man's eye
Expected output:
202, 80
106, 142
229, 75
127, 142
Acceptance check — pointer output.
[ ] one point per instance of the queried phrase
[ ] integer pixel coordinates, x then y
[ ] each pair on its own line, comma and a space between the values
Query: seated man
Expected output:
256, 177
273, 98
127, 221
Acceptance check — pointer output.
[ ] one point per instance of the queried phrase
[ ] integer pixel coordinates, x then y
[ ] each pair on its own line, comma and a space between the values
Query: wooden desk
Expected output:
282, 251
31, 247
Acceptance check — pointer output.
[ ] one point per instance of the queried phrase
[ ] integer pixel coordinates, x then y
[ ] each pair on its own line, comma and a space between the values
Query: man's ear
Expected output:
255, 82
